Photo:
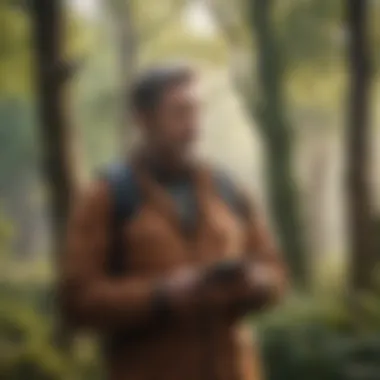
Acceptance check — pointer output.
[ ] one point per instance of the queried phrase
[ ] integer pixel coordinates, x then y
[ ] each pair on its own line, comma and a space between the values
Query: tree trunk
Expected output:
270, 111
362, 232
51, 73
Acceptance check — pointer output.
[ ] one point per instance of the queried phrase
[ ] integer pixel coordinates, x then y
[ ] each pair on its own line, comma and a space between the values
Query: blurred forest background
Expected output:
292, 90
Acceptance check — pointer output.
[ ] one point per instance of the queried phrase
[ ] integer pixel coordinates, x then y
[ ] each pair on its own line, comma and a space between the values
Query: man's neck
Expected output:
165, 167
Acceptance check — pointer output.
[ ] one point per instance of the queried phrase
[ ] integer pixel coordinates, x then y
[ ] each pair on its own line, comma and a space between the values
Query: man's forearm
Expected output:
138, 302
108, 303
134, 302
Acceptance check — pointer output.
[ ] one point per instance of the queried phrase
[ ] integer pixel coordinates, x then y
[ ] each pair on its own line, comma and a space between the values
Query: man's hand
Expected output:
180, 290
216, 289
194, 291
258, 287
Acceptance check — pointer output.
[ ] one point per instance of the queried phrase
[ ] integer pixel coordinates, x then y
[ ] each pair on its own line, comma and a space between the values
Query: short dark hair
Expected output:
150, 85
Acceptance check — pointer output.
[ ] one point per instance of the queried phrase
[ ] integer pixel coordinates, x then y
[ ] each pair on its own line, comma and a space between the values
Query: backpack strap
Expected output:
125, 201
230, 193
125, 198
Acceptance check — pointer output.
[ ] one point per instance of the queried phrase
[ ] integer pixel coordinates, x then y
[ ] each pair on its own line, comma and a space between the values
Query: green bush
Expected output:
26, 339
25, 343
313, 340
307, 339
29, 351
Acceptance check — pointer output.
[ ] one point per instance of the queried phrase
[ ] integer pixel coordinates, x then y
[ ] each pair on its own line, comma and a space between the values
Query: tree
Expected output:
270, 110
264, 97
362, 227
52, 72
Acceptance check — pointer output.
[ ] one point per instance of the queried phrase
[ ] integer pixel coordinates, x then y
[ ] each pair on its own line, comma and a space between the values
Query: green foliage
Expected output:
368, 305
324, 338
29, 351
176, 43
308, 338
5, 238
17, 141
24, 339
15, 50
316, 340
26, 330
310, 32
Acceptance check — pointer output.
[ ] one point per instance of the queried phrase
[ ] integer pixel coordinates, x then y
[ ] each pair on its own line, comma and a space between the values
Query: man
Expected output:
165, 256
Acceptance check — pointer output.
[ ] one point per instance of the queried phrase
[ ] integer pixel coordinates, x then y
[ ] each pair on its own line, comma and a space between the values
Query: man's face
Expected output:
175, 123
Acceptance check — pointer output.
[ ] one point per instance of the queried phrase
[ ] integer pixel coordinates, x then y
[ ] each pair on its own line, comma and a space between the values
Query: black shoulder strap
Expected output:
229, 192
124, 197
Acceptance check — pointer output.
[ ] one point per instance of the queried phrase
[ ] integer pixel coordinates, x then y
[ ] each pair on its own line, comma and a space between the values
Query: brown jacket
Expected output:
219, 348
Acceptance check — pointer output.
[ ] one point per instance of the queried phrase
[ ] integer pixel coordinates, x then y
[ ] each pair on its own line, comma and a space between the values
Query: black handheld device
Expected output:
224, 271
